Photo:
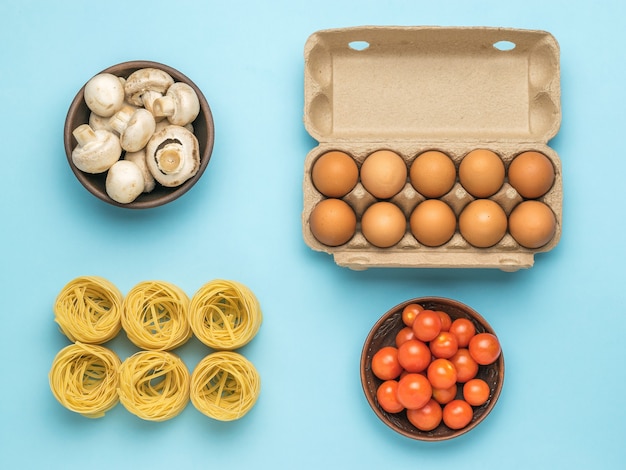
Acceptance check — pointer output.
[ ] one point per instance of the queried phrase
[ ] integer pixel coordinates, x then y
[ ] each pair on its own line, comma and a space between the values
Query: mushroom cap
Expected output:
104, 94
143, 80
124, 181
180, 104
138, 131
139, 158
96, 151
173, 155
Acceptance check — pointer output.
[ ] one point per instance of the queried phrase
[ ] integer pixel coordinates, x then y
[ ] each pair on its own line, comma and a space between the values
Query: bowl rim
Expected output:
370, 397
175, 193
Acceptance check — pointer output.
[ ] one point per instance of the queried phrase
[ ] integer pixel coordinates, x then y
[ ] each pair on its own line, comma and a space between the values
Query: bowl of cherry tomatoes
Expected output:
432, 368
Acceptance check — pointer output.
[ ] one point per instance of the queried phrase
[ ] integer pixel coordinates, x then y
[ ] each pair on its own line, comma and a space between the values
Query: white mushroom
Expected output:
160, 125
124, 182
104, 94
173, 155
96, 151
139, 158
135, 126
145, 80
180, 104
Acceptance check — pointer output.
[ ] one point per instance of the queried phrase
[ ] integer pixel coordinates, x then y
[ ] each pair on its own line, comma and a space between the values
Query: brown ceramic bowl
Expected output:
203, 129
383, 334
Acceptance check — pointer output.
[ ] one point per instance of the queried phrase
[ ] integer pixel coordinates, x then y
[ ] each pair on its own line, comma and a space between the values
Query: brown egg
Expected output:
531, 174
481, 173
432, 174
335, 174
383, 224
383, 174
432, 222
332, 222
532, 224
482, 223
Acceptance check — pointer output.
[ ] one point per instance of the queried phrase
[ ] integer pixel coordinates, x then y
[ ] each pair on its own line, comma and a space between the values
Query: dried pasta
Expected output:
154, 315
154, 385
88, 310
84, 379
224, 386
225, 315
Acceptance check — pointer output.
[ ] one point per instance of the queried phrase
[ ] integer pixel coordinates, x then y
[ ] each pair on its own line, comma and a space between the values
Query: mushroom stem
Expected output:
84, 134
169, 159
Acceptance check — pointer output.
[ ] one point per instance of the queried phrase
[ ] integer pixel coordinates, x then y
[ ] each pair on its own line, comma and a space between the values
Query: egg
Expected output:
432, 222
383, 174
332, 222
532, 224
482, 223
531, 174
481, 173
432, 174
335, 174
383, 224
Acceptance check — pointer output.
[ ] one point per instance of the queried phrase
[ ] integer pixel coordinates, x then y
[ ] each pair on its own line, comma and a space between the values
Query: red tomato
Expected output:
484, 348
444, 345
463, 329
444, 395
404, 335
457, 414
466, 367
414, 355
426, 418
414, 391
410, 312
427, 325
441, 373
476, 392
387, 395
385, 363
446, 321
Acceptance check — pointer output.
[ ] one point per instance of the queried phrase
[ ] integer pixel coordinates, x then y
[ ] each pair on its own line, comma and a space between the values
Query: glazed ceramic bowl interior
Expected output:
95, 183
384, 333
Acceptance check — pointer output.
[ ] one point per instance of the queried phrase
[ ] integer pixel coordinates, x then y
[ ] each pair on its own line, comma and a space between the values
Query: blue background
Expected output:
561, 322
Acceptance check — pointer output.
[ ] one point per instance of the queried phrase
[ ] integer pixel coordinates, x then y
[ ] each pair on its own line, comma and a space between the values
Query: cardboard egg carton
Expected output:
412, 89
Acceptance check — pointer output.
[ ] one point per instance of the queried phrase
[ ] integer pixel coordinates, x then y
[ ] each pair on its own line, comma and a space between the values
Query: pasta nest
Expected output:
88, 310
225, 315
225, 386
84, 379
155, 316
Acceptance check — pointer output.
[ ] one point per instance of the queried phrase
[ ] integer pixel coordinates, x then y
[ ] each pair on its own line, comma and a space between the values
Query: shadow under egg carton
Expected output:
359, 254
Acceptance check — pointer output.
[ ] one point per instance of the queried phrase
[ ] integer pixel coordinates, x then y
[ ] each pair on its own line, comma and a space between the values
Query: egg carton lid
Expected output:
390, 83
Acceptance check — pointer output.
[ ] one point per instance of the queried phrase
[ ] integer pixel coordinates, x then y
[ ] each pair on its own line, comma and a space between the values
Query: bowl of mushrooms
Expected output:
139, 134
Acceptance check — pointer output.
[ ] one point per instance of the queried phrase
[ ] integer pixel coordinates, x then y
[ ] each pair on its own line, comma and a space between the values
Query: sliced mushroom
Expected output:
124, 182
96, 151
139, 158
173, 155
135, 126
180, 104
104, 94
146, 80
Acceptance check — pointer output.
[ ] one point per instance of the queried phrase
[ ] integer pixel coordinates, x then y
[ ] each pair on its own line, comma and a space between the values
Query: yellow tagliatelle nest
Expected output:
225, 315
154, 315
154, 385
84, 379
88, 310
224, 386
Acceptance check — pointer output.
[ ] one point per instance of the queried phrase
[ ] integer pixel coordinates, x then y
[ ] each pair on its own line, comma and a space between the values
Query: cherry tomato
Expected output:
427, 325
441, 373
387, 395
446, 321
426, 418
463, 329
466, 367
484, 348
476, 392
410, 312
404, 335
385, 363
414, 355
457, 414
445, 395
444, 345
414, 391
